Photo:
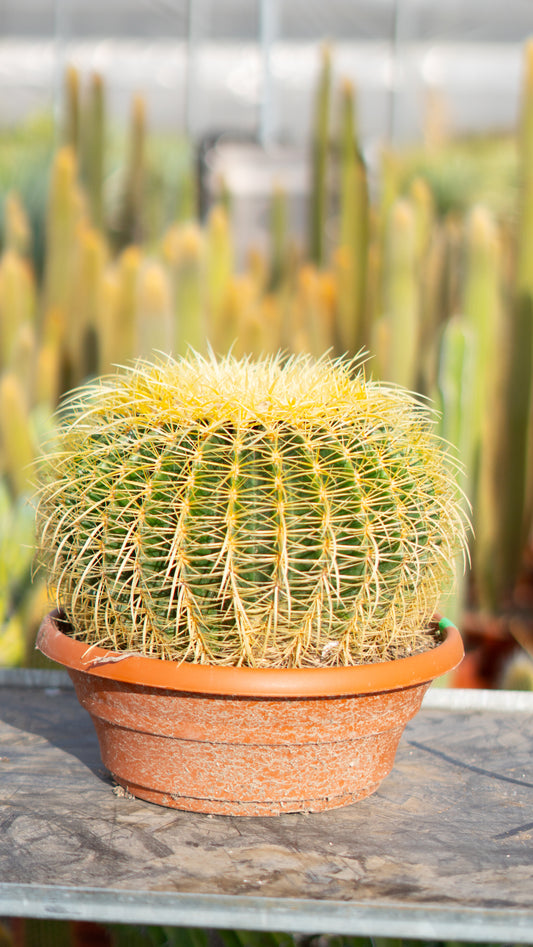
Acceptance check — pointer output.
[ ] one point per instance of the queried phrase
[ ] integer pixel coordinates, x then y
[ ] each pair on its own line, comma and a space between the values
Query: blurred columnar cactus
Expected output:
155, 323
524, 277
482, 309
17, 302
17, 227
184, 249
17, 442
401, 297
71, 120
443, 302
219, 268
318, 207
353, 237
65, 211
93, 142
130, 224
279, 237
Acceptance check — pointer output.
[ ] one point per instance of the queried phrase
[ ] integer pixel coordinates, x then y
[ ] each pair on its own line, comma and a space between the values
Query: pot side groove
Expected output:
235, 753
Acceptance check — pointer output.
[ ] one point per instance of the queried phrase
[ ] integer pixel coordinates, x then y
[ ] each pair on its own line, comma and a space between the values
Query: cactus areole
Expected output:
263, 521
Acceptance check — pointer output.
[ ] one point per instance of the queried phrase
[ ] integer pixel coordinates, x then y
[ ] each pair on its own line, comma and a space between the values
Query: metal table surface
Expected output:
443, 850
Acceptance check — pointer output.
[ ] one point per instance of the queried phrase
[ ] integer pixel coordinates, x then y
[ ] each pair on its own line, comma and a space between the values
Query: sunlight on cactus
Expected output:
271, 513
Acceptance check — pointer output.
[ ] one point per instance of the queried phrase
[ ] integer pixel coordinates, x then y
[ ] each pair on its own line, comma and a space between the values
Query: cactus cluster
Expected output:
258, 513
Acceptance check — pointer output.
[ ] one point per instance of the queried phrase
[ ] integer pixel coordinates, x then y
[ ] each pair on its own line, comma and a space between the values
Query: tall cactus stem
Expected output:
313, 307
524, 265
71, 118
155, 318
219, 265
93, 150
279, 232
17, 301
500, 534
481, 306
130, 225
354, 229
63, 214
48, 373
119, 329
24, 358
187, 256
401, 295
86, 303
318, 198
17, 443
17, 228
524, 275
455, 382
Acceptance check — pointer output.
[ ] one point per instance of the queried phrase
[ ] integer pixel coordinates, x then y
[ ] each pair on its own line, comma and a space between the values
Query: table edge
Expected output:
248, 912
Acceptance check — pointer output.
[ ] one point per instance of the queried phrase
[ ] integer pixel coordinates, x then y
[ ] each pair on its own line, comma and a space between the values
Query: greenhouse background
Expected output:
346, 178
247, 68
277, 174
249, 65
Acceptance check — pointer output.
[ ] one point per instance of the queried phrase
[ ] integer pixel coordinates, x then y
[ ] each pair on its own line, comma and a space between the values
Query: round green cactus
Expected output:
272, 513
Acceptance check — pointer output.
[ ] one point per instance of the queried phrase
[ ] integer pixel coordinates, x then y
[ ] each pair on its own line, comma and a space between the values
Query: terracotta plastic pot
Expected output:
241, 741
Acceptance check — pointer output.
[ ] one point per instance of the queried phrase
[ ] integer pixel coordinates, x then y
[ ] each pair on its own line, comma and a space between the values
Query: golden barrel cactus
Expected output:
282, 513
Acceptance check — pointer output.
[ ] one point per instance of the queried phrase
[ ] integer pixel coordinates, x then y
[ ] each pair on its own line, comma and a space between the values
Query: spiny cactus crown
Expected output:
272, 513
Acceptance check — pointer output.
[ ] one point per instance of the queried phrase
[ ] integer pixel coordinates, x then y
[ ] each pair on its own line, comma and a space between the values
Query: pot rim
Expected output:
421, 668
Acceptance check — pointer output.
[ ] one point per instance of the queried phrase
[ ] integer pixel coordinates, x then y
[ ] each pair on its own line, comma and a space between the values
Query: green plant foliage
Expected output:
465, 172
16, 556
410, 270
41, 933
518, 673
26, 153
318, 207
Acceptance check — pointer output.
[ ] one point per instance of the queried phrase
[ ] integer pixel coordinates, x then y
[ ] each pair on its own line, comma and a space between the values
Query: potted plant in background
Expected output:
246, 559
